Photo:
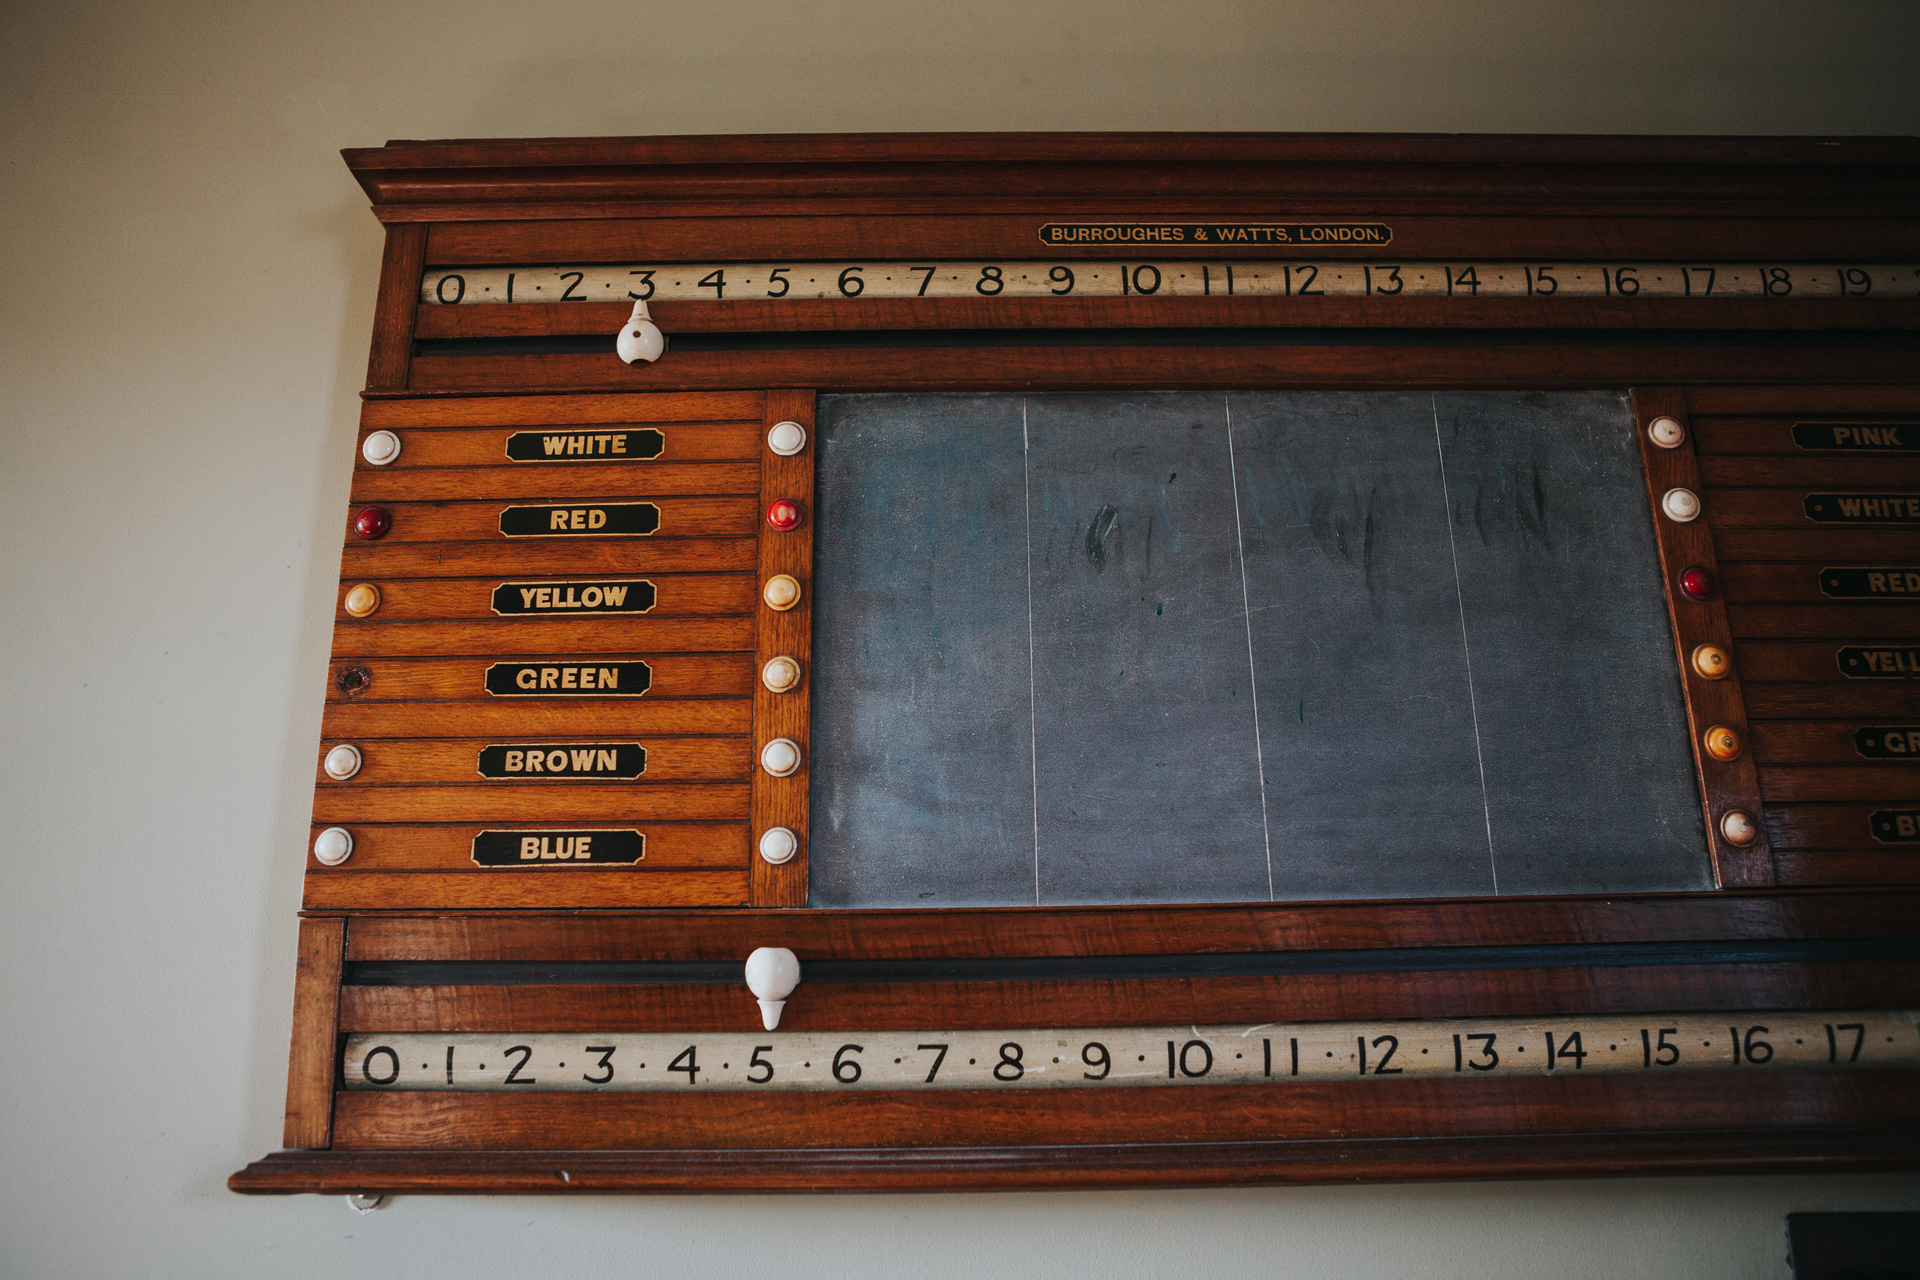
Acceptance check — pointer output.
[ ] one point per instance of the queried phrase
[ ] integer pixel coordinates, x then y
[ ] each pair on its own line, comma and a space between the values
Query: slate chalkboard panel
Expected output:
1198, 647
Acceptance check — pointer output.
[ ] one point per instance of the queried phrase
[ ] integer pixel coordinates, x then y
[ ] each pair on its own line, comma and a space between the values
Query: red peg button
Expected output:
1696, 583
784, 514
372, 522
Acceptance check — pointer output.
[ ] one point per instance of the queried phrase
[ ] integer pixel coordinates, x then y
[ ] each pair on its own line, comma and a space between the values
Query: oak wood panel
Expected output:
423, 847
965, 1006
395, 305
544, 636
1814, 742
694, 675
316, 1015
455, 760
1129, 1164
1877, 699
1829, 826
558, 480
484, 1121
560, 412
485, 890
1830, 545
1893, 397
1725, 785
356, 723
513, 803
1781, 508
1865, 781
1169, 368
1812, 470
782, 802
675, 595
1178, 930
515, 558
1788, 661
1846, 867
1793, 584
1834, 620
427, 447
480, 521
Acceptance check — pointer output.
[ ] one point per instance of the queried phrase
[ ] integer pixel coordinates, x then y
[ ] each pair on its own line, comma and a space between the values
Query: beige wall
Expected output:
190, 279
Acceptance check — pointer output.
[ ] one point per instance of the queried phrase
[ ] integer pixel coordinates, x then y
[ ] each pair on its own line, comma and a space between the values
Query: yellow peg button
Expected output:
1711, 662
362, 599
1723, 743
782, 592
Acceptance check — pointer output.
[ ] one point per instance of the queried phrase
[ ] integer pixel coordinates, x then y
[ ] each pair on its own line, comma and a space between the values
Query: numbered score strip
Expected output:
814, 281
1265, 1054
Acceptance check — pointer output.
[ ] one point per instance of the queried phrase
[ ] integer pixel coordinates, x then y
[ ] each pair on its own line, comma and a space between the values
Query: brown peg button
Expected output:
362, 599
1711, 662
1723, 743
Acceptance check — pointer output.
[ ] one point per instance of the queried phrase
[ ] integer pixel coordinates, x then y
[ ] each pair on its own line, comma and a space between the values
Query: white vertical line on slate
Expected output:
1459, 596
1246, 613
1033, 728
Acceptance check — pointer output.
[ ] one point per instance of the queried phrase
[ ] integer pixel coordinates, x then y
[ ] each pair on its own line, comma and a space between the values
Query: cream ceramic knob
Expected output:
782, 592
787, 438
772, 974
780, 674
1737, 826
778, 845
781, 757
333, 846
1666, 432
1711, 662
342, 762
1681, 505
380, 448
362, 599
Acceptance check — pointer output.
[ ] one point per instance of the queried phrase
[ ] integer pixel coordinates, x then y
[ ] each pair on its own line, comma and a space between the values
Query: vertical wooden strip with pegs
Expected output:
1727, 786
316, 1026
781, 802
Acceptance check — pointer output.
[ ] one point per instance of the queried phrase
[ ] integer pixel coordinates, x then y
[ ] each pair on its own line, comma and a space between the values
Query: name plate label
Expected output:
1859, 437
631, 595
1240, 233
1864, 508
1857, 662
617, 760
568, 679
558, 848
1895, 826
1893, 742
1880, 582
586, 446
604, 520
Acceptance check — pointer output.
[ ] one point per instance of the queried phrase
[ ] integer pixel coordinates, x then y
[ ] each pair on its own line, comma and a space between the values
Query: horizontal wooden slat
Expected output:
1801, 583
1813, 471
1801, 661
480, 521
1868, 783
514, 804
426, 599
1865, 623
693, 675
1785, 509
456, 760
543, 636
1829, 826
1876, 699
482, 890
671, 846
516, 559
560, 411
1812, 542
425, 447
1816, 742
557, 483
1846, 867
1774, 435
1828, 401
356, 722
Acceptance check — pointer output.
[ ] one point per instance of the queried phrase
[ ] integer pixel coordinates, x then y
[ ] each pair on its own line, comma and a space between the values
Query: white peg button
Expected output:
781, 757
1681, 505
380, 448
1737, 826
778, 845
772, 973
342, 762
782, 592
333, 846
780, 674
1666, 432
787, 438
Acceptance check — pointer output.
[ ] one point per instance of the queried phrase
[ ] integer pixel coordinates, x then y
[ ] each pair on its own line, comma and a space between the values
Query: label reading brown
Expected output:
603, 520
1859, 662
562, 599
1859, 437
568, 679
609, 760
558, 848
1895, 826
1878, 582
1888, 742
1863, 508
586, 446
1215, 233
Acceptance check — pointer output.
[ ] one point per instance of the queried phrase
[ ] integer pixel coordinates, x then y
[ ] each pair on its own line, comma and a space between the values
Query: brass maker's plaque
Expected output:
1860, 662
1232, 233
1888, 742
561, 599
586, 446
1880, 582
616, 760
1896, 826
568, 679
558, 848
1864, 508
602, 520
1860, 437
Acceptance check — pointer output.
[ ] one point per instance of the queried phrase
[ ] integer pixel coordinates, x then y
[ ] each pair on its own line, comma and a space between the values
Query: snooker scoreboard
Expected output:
1183, 659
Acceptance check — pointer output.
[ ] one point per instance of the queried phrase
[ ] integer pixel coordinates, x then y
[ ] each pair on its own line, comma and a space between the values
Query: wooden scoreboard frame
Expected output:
1813, 914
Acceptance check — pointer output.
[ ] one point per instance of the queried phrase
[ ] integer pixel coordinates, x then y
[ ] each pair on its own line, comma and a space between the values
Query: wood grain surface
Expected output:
448, 846
312, 1059
402, 762
426, 447
494, 889
560, 412
675, 595
783, 802
691, 675
556, 482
